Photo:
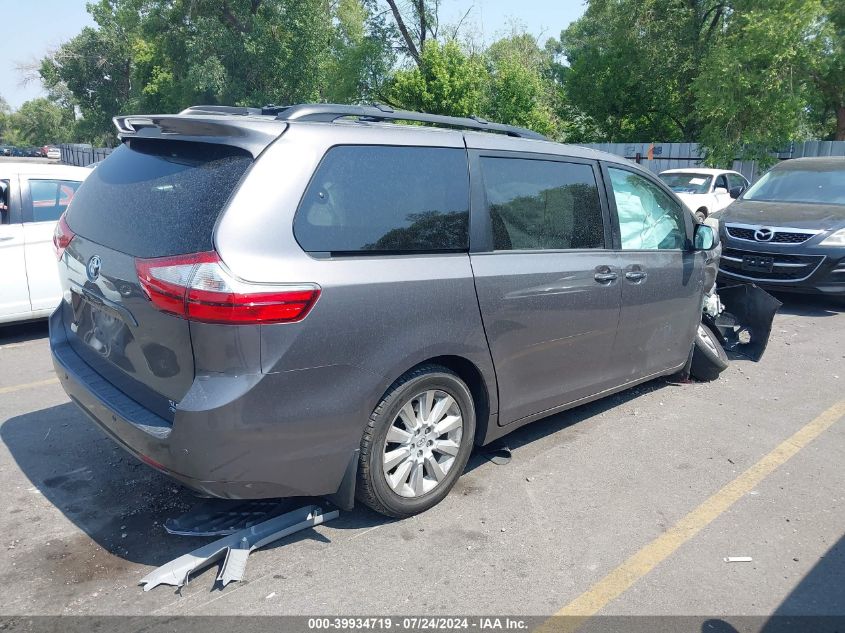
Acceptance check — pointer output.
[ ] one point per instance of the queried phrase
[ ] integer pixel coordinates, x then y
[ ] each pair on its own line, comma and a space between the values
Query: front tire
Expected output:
701, 215
708, 356
417, 442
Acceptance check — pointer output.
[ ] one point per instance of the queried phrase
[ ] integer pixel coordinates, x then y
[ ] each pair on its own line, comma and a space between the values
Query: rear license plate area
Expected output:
758, 263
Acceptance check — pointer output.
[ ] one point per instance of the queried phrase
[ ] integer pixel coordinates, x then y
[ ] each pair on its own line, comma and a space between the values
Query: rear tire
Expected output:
423, 430
708, 356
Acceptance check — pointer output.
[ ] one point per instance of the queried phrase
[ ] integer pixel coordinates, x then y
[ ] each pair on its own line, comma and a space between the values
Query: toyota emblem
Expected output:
764, 235
93, 268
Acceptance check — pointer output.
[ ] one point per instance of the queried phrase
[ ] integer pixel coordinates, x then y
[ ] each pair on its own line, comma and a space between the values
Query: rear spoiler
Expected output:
252, 135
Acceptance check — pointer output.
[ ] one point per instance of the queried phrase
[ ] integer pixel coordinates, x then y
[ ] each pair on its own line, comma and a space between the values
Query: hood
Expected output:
788, 214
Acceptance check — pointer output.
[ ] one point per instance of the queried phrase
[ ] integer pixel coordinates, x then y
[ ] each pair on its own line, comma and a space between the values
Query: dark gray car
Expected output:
787, 232
315, 301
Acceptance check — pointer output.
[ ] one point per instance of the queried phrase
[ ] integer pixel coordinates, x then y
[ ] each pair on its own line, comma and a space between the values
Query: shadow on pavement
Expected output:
103, 490
22, 332
107, 493
559, 421
821, 591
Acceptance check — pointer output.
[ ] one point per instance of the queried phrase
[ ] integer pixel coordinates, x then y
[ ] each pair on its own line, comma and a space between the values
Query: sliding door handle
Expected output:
605, 278
636, 275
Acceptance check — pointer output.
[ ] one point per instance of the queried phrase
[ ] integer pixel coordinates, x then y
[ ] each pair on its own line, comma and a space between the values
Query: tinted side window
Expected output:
721, 181
541, 204
50, 198
735, 180
386, 199
648, 218
4, 201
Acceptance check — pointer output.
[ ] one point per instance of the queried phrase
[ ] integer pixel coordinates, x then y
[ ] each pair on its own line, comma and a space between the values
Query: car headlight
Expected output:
834, 239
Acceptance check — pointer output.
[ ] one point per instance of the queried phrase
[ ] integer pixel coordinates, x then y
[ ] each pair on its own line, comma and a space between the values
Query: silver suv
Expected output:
318, 301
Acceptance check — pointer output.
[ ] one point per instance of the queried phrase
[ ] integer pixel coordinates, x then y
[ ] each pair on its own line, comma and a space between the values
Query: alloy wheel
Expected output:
422, 443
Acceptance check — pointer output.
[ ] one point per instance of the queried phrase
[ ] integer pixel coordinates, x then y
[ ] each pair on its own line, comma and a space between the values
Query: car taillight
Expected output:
61, 237
199, 288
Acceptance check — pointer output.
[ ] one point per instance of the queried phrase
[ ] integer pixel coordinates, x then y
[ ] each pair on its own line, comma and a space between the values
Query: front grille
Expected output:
784, 267
778, 236
741, 233
790, 238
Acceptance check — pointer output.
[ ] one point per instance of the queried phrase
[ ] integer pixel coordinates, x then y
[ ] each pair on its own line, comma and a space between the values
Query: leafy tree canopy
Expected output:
740, 76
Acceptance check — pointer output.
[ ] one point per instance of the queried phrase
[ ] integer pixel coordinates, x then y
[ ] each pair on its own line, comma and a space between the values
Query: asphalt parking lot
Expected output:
625, 506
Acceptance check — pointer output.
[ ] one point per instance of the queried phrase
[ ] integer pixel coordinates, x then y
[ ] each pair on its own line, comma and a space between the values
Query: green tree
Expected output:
521, 90
95, 67
5, 114
826, 70
447, 81
41, 122
754, 89
631, 64
362, 56
163, 55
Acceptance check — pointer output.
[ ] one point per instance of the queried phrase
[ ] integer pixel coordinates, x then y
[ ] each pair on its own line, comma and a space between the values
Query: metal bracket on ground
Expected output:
222, 517
236, 548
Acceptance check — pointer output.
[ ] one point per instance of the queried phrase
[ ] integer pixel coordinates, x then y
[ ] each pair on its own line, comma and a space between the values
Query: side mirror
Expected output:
736, 192
720, 190
705, 238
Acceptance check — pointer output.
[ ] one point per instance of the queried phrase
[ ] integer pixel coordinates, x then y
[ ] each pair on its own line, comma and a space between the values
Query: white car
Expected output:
54, 153
705, 191
32, 197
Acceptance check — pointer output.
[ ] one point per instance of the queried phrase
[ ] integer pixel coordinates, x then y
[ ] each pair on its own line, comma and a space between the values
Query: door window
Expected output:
380, 199
541, 204
722, 182
735, 180
648, 218
50, 198
5, 193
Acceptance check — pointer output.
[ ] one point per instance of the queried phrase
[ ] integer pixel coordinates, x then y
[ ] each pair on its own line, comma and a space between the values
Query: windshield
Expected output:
687, 182
799, 185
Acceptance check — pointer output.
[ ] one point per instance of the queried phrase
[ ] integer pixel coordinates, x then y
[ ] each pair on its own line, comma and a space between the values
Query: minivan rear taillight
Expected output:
62, 236
199, 288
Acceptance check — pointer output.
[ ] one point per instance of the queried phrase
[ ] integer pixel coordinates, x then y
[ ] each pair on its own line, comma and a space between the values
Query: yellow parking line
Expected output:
620, 579
28, 385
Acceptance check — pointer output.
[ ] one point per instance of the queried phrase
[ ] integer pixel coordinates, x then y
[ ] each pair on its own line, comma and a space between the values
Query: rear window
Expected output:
157, 198
380, 199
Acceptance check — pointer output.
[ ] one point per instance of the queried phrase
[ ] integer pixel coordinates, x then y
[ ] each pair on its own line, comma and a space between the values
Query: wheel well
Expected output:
703, 209
469, 373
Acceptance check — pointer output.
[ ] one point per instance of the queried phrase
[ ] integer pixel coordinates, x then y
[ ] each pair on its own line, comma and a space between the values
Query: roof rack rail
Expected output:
220, 109
328, 112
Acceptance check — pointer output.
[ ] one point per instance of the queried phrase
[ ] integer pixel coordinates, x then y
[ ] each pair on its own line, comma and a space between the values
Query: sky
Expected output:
32, 28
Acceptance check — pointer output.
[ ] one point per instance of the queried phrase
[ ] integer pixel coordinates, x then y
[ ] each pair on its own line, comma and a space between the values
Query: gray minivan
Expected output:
318, 301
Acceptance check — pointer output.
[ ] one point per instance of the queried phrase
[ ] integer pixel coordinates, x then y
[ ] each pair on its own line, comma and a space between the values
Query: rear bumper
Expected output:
238, 447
